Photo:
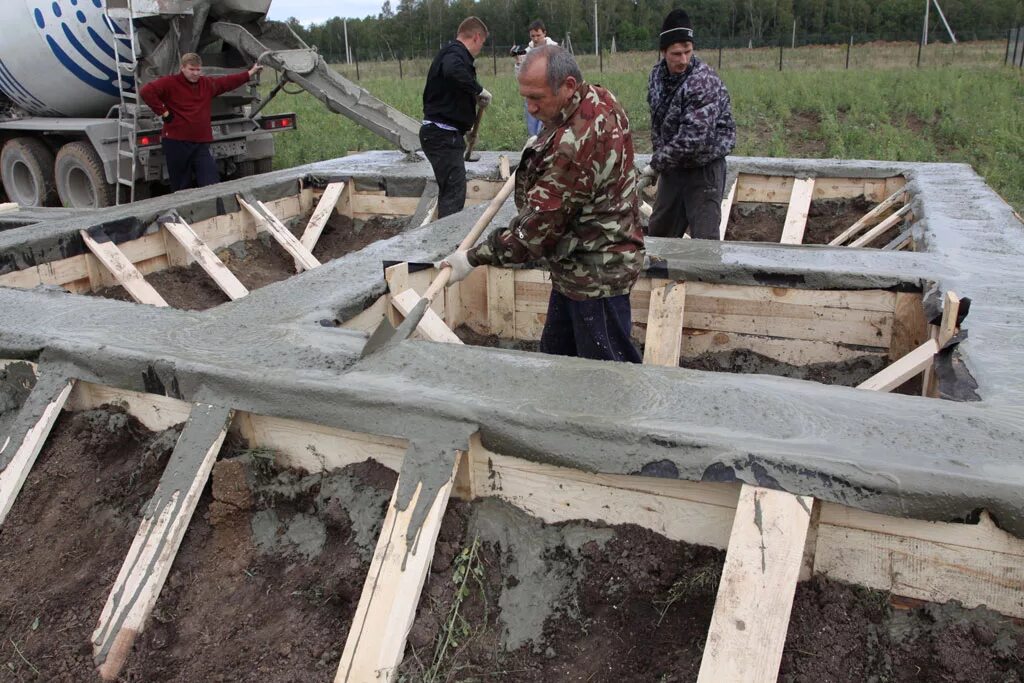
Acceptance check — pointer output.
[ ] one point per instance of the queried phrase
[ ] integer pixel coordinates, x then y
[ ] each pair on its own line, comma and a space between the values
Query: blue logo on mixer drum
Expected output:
70, 29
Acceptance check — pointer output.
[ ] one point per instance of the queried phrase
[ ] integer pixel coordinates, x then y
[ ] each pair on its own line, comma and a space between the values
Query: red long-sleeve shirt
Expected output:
189, 103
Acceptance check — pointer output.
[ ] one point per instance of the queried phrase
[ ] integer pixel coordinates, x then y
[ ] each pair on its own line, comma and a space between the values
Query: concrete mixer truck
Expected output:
74, 133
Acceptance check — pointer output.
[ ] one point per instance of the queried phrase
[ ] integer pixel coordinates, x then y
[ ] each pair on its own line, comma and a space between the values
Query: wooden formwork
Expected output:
793, 536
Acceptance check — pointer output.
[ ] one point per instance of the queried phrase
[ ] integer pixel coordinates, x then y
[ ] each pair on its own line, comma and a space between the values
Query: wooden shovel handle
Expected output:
441, 279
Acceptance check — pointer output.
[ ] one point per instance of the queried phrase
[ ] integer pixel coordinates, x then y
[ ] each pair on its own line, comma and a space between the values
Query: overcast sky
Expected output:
318, 11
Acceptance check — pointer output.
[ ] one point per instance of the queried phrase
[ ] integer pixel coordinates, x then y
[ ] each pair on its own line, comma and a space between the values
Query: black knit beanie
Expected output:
675, 29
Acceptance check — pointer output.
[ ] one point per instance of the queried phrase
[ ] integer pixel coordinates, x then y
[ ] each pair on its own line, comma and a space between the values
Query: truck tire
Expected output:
27, 168
81, 182
264, 165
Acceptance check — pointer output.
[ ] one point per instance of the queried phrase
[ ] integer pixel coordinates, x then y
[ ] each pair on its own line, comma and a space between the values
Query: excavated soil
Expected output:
66, 537
268, 576
261, 262
826, 219
741, 361
624, 604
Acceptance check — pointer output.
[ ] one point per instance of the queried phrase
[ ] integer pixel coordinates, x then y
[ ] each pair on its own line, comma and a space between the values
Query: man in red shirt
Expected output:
183, 102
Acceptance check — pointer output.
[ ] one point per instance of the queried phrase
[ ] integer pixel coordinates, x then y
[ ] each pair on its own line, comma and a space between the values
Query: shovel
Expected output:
385, 334
471, 137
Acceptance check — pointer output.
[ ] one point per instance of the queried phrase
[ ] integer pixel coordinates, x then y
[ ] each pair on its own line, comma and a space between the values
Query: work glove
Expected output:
168, 116
649, 173
458, 261
484, 98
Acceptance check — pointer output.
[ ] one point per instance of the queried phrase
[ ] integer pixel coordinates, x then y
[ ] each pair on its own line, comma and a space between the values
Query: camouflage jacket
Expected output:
691, 117
577, 201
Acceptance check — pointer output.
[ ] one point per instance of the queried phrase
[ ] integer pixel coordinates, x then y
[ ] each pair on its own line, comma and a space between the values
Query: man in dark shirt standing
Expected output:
183, 102
450, 98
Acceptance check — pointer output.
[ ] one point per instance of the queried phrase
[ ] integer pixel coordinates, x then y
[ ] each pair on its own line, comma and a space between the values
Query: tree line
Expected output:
409, 28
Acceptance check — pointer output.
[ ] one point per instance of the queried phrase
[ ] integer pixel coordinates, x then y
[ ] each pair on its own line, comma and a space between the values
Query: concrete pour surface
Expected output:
268, 353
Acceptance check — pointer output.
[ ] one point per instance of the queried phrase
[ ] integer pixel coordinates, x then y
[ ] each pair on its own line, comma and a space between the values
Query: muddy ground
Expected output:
268, 576
741, 361
509, 598
66, 537
261, 262
826, 219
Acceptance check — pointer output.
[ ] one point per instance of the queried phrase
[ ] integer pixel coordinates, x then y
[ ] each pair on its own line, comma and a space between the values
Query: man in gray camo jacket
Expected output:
692, 130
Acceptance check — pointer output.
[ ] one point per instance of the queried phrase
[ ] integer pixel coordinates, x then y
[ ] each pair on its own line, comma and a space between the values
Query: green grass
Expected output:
972, 114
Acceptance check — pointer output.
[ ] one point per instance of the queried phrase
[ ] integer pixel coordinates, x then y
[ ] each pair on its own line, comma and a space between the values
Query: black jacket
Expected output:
450, 93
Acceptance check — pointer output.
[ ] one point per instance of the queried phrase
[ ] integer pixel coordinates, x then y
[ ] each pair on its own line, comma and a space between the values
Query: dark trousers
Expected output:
595, 328
185, 159
444, 150
689, 198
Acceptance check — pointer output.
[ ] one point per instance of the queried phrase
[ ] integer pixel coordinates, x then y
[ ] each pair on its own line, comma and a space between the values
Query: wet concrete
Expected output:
267, 353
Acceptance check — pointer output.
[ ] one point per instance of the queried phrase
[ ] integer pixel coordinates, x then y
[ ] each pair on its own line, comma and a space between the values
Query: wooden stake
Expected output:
727, 208
12, 477
207, 260
867, 218
665, 325
876, 231
269, 222
504, 170
755, 596
501, 301
123, 270
906, 367
432, 326
156, 543
796, 215
941, 334
391, 593
324, 208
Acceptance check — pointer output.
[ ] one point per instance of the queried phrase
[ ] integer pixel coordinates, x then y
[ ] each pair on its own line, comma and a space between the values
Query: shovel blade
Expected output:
387, 335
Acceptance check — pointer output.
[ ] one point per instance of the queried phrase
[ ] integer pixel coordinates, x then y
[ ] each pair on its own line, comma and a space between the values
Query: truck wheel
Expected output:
243, 169
264, 165
27, 168
81, 182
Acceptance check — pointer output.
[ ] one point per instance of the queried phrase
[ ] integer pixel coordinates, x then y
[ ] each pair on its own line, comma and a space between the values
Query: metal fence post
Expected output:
494, 57
849, 46
780, 55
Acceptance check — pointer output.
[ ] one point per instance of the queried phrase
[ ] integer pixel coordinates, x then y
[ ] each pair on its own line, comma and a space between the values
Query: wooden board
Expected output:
796, 215
431, 326
367, 205
12, 477
324, 208
881, 228
207, 260
376, 640
501, 301
665, 325
727, 208
123, 270
868, 218
903, 369
777, 189
755, 596
156, 543
280, 232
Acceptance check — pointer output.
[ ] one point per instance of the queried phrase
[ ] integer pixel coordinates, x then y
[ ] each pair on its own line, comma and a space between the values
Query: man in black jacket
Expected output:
450, 98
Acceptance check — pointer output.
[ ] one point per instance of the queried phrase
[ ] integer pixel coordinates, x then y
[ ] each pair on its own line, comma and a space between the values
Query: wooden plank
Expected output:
324, 208
177, 255
380, 205
699, 513
391, 592
279, 232
761, 188
796, 215
776, 189
54, 391
151, 555
868, 218
8, 207
432, 325
727, 208
906, 367
950, 313
881, 228
504, 170
483, 189
798, 352
755, 596
154, 411
501, 302
909, 326
665, 325
975, 564
207, 260
122, 269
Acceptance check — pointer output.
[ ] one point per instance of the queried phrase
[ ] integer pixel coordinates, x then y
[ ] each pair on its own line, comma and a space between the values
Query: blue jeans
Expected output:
533, 125
594, 328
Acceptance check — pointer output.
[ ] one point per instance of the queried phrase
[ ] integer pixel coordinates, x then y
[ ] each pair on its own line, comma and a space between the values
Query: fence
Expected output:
814, 52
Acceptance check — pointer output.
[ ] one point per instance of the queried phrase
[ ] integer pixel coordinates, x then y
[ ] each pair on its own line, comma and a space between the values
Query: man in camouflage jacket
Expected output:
692, 130
576, 191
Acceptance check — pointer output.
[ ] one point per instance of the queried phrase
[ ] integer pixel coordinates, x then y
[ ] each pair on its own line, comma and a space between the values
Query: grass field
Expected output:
969, 110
